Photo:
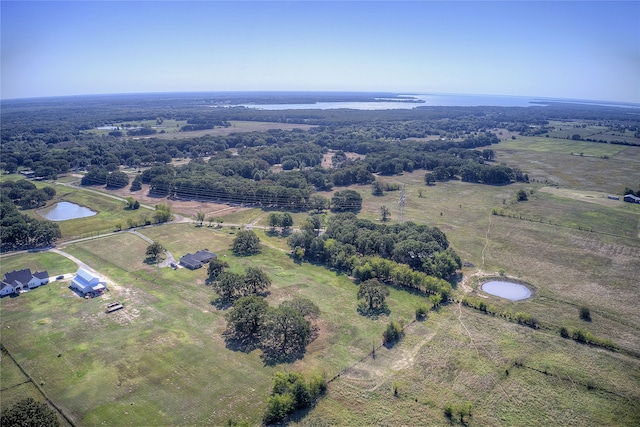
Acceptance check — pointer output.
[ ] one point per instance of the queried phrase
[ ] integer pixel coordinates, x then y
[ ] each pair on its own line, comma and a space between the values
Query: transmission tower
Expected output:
401, 205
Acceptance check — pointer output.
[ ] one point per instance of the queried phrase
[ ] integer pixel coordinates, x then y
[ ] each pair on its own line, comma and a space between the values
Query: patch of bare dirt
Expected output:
327, 159
186, 207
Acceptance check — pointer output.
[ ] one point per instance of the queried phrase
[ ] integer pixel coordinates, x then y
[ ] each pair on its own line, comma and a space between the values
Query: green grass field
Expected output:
560, 146
162, 360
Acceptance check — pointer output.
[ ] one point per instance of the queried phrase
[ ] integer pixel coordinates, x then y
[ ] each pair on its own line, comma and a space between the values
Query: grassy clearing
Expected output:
461, 356
560, 146
586, 173
591, 131
168, 126
171, 128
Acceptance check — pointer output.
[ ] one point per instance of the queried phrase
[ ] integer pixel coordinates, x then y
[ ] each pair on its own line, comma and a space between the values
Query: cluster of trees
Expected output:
154, 251
231, 286
132, 204
587, 337
402, 275
346, 201
421, 247
277, 219
100, 176
19, 231
25, 194
407, 255
521, 317
378, 188
245, 243
28, 412
374, 294
162, 213
282, 333
628, 190
292, 392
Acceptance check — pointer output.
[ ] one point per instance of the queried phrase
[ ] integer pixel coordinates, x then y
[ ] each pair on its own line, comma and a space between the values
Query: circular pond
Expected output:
509, 290
62, 211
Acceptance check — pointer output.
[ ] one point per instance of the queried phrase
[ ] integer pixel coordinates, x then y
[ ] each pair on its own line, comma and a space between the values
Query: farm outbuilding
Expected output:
86, 282
630, 198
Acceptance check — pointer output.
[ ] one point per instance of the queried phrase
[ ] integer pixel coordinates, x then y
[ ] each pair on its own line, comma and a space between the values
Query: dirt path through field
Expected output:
473, 344
486, 243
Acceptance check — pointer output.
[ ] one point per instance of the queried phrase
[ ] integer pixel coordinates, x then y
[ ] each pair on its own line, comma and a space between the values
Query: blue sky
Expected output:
580, 50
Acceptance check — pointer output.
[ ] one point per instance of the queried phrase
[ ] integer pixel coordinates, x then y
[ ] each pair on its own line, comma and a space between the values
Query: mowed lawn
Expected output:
162, 359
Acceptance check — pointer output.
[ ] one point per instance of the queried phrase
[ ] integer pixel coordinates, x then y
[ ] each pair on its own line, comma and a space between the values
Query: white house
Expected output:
20, 280
85, 282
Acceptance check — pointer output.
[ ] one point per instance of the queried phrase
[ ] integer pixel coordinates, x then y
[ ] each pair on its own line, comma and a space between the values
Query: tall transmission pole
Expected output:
401, 204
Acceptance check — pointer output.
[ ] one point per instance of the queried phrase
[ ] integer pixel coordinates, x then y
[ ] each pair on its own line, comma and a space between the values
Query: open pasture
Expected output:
551, 247
610, 175
170, 128
512, 375
543, 144
591, 130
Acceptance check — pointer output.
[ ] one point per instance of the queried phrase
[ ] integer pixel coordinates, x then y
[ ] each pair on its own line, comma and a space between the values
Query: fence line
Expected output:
5, 350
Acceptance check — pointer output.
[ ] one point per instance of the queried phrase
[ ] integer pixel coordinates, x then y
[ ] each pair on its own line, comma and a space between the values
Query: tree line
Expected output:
406, 255
19, 231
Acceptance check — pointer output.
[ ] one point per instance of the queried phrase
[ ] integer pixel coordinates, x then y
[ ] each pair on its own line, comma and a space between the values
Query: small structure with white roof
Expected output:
86, 282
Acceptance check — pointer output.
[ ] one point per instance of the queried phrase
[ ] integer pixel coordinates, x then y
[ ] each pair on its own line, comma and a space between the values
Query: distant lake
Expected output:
63, 211
432, 100
403, 103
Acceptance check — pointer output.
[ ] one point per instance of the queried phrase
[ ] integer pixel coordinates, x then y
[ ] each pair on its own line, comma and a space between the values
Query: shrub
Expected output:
448, 410
393, 332
585, 314
421, 311
564, 332
291, 392
579, 335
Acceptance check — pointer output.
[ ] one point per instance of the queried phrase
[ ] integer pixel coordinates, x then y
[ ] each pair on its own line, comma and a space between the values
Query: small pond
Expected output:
509, 290
65, 210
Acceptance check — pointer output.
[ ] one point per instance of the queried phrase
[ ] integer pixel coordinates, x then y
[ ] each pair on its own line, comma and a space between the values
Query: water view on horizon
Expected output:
411, 101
